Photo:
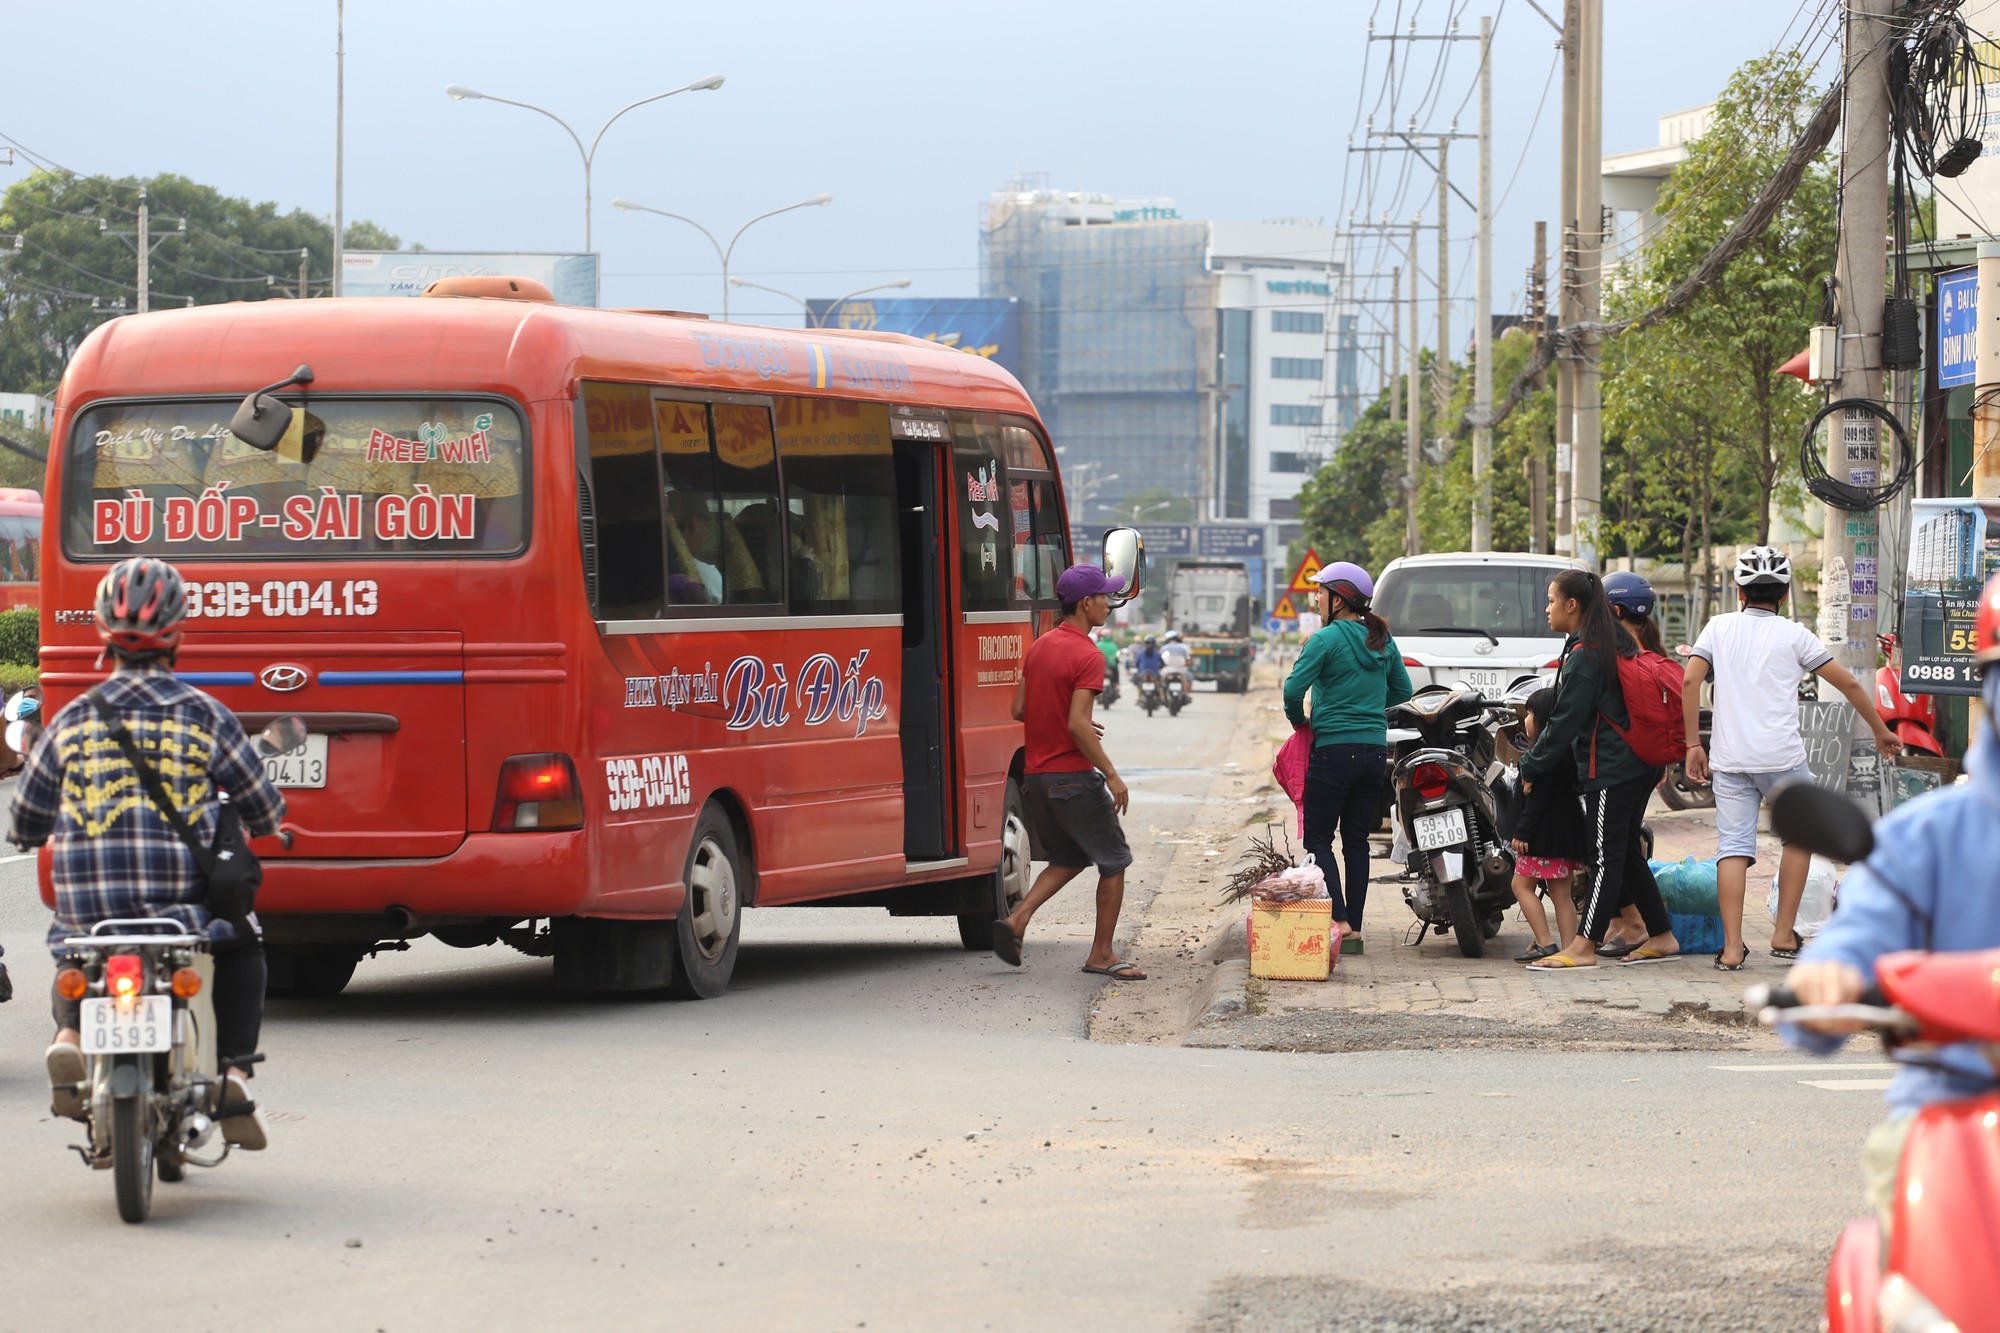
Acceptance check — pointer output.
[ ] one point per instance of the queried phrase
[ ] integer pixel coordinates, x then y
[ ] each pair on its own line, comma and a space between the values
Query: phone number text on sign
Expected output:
294, 597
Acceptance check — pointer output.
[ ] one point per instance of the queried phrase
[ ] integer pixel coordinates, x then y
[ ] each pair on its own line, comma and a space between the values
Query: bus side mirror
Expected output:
262, 419
1125, 560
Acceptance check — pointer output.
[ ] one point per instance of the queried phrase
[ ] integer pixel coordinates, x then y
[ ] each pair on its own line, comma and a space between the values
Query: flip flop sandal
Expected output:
1619, 950
1006, 944
1639, 956
1538, 952
1721, 966
1556, 962
1122, 971
1792, 952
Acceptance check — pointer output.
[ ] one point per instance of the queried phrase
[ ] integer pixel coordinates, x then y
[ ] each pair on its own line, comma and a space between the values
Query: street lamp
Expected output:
723, 252
1137, 509
806, 306
458, 92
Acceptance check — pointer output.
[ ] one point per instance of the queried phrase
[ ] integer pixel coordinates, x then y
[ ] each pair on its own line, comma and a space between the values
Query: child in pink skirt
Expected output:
1549, 842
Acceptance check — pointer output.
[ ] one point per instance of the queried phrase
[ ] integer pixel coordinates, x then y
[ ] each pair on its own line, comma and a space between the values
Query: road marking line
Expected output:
1807, 1064
24, 856
1848, 1084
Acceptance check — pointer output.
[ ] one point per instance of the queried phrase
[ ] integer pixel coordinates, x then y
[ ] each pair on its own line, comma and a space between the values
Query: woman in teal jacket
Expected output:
1355, 673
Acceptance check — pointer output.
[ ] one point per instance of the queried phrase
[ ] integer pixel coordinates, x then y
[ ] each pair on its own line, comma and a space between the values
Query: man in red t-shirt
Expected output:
1074, 796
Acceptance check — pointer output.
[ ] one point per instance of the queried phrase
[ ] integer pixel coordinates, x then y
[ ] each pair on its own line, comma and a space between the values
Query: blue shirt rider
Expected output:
1148, 659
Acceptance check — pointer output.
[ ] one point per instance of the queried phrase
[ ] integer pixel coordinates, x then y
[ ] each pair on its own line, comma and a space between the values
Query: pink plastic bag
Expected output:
1289, 768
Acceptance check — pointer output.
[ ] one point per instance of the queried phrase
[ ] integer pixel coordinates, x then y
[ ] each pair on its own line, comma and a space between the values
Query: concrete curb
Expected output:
1225, 992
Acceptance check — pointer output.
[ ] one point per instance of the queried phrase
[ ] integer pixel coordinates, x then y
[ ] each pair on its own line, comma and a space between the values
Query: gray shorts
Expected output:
1738, 797
1072, 823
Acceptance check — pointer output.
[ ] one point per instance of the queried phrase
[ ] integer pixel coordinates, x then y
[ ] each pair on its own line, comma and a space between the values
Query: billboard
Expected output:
572, 278
985, 326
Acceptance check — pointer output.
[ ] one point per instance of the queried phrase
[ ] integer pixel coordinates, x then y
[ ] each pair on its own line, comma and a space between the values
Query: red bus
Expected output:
604, 624
20, 548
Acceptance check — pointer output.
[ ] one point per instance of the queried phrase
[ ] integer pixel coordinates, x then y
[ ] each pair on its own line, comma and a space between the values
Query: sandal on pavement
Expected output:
1122, 971
1792, 951
1006, 944
66, 1075
1737, 966
1638, 956
1620, 949
1556, 962
1539, 951
236, 1116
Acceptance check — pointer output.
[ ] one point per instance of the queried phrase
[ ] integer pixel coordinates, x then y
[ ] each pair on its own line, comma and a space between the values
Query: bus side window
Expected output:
625, 494
746, 479
693, 527
840, 502
1051, 550
985, 546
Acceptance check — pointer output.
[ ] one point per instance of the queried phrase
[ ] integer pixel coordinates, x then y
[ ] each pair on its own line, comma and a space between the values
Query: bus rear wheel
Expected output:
711, 919
1011, 880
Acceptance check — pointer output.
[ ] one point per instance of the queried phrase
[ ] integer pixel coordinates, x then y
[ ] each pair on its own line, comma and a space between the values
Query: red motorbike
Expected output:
1913, 717
1940, 1270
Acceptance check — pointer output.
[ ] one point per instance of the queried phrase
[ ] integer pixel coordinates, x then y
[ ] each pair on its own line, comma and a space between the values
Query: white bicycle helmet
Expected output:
1763, 565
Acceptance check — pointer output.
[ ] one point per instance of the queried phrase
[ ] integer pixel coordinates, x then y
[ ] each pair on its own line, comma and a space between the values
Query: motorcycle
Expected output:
1150, 694
1677, 790
1109, 696
1443, 782
1175, 685
23, 718
150, 1091
1939, 1271
1913, 717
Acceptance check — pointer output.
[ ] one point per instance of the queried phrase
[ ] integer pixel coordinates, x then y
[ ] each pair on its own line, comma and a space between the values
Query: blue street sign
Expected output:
1229, 541
1958, 327
1276, 626
1167, 538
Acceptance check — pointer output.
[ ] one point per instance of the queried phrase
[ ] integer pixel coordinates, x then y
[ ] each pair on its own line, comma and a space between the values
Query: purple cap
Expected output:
1081, 581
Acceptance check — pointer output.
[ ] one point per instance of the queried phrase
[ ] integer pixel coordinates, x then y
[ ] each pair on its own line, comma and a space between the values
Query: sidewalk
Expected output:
1397, 994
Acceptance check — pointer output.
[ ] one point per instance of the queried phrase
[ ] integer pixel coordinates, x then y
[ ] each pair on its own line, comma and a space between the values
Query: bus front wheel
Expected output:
711, 920
1011, 880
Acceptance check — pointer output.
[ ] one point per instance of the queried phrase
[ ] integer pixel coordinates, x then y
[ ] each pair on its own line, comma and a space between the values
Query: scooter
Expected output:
1109, 696
1175, 685
1443, 782
1939, 1272
1148, 685
1913, 717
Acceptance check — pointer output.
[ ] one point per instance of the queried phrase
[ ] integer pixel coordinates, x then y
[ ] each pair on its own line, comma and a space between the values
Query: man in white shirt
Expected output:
1758, 658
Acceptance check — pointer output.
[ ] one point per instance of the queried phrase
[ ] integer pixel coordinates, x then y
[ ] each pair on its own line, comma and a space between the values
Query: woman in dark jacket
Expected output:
1614, 782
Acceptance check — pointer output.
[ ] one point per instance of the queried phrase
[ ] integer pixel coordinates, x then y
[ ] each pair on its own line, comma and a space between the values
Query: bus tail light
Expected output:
538, 791
1430, 780
124, 975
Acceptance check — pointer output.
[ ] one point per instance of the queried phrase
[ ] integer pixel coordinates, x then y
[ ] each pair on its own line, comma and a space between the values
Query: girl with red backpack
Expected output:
1592, 728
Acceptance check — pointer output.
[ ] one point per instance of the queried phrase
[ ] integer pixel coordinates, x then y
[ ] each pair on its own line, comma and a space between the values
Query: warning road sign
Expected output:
1302, 578
1284, 610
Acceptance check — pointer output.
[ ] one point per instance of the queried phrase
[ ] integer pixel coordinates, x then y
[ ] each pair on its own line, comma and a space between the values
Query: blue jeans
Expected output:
1344, 791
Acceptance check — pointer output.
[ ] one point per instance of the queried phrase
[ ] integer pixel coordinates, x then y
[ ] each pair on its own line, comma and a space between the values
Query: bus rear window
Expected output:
354, 479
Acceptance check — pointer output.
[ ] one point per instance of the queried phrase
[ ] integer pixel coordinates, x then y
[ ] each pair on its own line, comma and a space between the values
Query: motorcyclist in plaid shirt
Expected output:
114, 854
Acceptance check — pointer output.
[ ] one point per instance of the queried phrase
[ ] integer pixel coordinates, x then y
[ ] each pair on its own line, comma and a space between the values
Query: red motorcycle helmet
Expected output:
140, 606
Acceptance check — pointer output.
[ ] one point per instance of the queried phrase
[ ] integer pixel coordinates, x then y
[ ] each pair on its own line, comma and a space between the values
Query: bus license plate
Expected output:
1444, 829
119, 1027
304, 766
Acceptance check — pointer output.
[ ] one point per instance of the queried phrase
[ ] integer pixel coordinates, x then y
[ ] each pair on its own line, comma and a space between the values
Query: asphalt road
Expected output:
876, 1129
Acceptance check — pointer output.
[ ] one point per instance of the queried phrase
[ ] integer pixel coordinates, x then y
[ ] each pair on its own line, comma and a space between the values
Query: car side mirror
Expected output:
1124, 559
263, 419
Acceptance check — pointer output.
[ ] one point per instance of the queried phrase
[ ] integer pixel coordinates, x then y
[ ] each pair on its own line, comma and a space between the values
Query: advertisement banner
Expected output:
1952, 554
572, 279
984, 326
1957, 327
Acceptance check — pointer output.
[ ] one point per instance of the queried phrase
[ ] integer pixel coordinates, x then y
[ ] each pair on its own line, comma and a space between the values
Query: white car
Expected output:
1478, 619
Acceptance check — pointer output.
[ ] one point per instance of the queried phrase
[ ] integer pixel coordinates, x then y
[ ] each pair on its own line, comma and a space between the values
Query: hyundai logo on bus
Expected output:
283, 677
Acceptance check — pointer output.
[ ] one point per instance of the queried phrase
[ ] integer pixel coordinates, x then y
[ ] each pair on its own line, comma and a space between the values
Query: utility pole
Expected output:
1538, 322
1566, 294
1847, 598
145, 244
1413, 444
1482, 319
339, 137
303, 253
1587, 489
1388, 365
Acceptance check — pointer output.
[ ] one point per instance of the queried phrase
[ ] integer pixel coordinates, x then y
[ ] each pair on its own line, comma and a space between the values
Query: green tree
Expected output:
73, 269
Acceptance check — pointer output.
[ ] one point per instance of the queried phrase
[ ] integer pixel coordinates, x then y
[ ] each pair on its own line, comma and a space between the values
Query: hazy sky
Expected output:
908, 111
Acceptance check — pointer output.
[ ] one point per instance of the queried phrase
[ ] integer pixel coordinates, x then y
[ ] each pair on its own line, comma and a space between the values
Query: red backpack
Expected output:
1652, 687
